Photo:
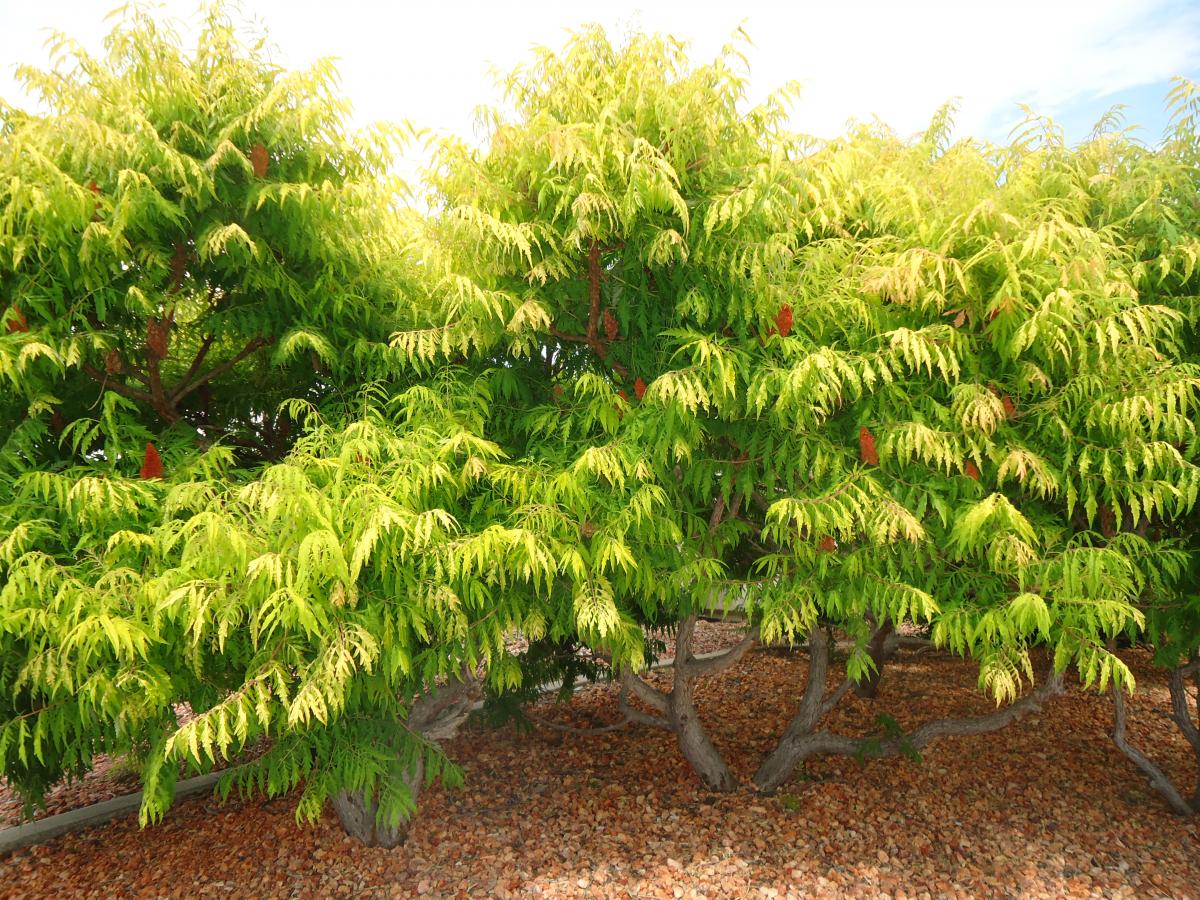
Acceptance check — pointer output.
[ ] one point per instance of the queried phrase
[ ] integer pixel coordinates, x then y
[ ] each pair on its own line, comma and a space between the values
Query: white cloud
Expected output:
429, 61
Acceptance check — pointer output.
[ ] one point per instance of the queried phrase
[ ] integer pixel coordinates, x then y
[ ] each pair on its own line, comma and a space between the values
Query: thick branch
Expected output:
571, 729
835, 697
1181, 712
982, 724
644, 692
117, 387
224, 367
630, 682
437, 715
713, 665
812, 704
683, 644
197, 361
1158, 778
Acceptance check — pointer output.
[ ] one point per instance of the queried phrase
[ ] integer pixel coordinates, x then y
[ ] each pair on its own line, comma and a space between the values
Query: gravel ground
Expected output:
109, 778
1045, 808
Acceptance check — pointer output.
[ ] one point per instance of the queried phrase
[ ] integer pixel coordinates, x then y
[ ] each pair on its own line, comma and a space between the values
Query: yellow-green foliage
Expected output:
646, 352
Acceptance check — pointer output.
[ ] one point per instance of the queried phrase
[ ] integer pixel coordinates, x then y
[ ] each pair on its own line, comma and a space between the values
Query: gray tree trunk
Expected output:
359, 814
435, 716
693, 740
802, 740
675, 710
880, 653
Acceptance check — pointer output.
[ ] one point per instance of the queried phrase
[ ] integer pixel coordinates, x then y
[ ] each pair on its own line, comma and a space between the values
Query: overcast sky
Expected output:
430, 61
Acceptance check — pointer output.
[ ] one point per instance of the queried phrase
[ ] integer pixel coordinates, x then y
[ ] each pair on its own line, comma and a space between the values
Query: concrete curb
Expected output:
42, 830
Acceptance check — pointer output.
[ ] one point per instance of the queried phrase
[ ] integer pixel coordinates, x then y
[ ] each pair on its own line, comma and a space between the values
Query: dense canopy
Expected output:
293, 471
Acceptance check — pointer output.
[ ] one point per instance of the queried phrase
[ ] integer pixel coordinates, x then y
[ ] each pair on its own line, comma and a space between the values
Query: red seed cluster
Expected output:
259, 160
152, 466
783, 320
156, 338
866, 446
17, 321
611, 328
639, 388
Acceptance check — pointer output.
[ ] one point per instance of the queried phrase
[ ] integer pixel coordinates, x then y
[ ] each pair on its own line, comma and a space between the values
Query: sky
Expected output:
432, 62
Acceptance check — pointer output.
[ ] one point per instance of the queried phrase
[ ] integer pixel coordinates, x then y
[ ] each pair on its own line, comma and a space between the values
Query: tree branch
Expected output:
644, 692
117, 387
713, 665
571, 729
224, 367
631, 683
1158, 778
939, 728
197, 361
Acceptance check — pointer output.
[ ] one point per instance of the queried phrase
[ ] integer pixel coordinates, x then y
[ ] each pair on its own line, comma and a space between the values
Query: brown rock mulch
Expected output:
1047, 807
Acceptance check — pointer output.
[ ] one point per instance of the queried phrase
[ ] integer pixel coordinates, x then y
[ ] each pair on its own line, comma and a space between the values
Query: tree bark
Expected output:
434, 716
880, 651
1159, 779
801, 740
1182, 716
359, 814
792, 748
676, 710
694, 742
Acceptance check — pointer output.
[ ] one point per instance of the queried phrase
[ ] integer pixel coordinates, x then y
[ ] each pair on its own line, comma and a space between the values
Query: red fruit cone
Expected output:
783, 320
971, 470
639, 388
866, 446
827, 545
17, 323
259, 160
152, 466
611, 328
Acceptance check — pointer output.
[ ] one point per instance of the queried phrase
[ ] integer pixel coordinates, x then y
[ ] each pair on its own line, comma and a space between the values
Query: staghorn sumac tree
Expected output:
199, 263
877, 380
647, 354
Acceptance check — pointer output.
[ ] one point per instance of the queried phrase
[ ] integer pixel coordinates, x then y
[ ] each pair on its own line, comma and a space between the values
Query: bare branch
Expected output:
630, 683
644, 692
712, 665
197, 361
993, 722
1158, 778
835, 697
117, 387
570, 729
224, 367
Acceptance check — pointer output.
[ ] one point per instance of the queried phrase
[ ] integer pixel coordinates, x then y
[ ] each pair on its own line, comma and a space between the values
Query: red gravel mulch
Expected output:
1047, 807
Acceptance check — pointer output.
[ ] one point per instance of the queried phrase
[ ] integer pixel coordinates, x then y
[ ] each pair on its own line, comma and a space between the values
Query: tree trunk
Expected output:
802, 739
1181, 712
879, 653
790, 751
694, 741
436, 716
1159, 779
675, 710
359, 814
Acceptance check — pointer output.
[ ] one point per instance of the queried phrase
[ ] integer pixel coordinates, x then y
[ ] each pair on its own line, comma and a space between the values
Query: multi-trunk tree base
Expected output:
675, 710
803, 739
435, 716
